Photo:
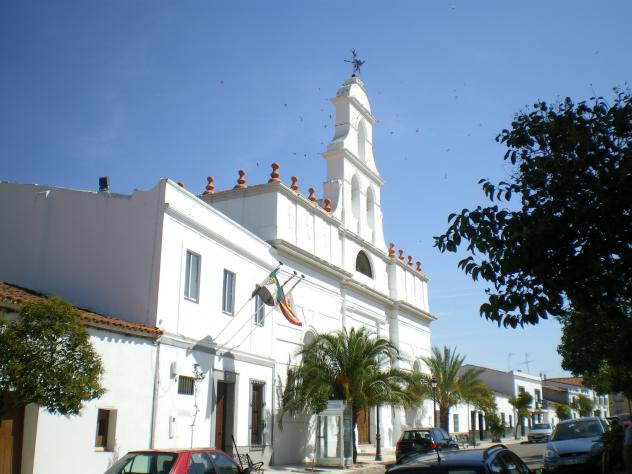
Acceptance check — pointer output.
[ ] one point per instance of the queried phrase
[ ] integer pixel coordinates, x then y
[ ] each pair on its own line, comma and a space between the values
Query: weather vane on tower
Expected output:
357, 64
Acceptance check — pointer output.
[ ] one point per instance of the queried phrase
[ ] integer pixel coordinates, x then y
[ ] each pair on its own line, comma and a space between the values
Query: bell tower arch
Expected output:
353, 182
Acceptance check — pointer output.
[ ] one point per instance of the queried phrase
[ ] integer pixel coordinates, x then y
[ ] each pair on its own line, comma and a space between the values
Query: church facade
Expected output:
187, 264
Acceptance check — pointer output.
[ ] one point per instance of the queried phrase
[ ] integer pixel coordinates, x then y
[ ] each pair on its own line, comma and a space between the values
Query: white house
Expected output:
567, 389
187, 264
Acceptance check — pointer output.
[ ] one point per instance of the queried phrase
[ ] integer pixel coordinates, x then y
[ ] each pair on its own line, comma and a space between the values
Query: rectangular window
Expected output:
455, 423
538, 396
510, 421
260, 311
228, 294
192, 277
520, 389
106, 428
257, 391
186, 385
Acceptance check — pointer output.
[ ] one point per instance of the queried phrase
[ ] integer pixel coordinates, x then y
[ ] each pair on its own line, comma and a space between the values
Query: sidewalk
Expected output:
366, 463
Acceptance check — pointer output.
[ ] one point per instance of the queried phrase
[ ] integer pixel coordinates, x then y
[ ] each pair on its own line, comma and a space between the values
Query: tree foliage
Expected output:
559, 232
582, 405
454, 385
346, 365
562, 411
47, 359
522, 404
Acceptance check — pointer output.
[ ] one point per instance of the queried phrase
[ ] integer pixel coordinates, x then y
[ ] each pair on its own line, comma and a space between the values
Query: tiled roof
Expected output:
17, 295
577, 381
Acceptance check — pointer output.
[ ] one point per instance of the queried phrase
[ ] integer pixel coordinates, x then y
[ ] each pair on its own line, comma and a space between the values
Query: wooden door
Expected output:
11, 423
220, 416
363, 428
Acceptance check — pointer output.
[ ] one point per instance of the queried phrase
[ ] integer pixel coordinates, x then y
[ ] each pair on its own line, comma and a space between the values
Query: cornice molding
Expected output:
355, 161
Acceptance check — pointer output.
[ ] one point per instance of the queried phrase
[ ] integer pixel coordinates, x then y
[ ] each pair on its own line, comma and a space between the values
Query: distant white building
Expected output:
506, 385
187, 264
567, 389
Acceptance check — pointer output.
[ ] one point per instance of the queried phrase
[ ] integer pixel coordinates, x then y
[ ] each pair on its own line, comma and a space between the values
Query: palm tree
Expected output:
453, 385
346, 366
522, 405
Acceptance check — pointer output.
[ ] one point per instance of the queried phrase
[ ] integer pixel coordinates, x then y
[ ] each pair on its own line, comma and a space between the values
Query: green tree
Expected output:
522, 404
561, 244
562, 411
582, 405
346, 365
454, 385
47, 359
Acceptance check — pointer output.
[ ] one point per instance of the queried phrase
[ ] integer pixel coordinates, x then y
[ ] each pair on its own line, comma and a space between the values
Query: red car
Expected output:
176, 461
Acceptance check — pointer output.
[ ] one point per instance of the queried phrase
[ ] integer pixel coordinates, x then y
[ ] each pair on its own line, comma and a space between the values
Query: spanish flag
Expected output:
271, 293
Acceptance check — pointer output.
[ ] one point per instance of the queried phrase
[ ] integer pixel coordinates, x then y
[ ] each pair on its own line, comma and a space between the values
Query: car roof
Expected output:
574, 420
176, 451
449, 458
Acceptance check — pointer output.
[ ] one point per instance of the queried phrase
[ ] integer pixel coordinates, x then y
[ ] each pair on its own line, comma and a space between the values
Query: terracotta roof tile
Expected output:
577, 381
18, 295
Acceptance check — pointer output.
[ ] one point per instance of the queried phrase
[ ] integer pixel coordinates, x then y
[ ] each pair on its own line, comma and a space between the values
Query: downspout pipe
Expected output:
154, 401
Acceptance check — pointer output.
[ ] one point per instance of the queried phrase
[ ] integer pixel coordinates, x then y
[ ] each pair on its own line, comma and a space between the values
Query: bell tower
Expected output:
353, 183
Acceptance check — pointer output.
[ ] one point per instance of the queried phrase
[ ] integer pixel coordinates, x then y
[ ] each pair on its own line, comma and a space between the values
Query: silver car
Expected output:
575, 444
539, 432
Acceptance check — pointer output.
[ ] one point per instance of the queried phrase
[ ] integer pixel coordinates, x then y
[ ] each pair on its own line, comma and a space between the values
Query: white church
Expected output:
171, 273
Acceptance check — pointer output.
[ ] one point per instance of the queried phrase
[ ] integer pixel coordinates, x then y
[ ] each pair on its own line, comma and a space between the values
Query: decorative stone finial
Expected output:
410, 260
311, 194
210, 189
274, 176
241, 182
327, 204
401, 254
391, 249
294, 186
418, 266
181, 184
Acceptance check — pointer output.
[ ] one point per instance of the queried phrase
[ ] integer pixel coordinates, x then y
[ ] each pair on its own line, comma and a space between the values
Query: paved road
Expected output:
531, 453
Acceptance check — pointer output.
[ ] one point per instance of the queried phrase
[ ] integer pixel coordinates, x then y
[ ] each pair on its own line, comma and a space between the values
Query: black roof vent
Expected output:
104, 183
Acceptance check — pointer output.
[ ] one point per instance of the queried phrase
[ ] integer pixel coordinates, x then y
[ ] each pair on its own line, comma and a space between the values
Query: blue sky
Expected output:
140, 90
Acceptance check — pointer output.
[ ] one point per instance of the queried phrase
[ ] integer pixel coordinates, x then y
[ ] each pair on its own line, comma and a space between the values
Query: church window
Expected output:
370, 208
362, 141
228, 292
257, 390
192, 277
355, 197
363, 265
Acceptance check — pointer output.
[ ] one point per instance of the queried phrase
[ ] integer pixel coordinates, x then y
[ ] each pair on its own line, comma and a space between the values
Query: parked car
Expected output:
496, 458
539, 432
575, 443
177, 461
423, 440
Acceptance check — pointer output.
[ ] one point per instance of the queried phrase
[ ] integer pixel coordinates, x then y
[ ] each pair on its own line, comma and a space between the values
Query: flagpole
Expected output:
271, 309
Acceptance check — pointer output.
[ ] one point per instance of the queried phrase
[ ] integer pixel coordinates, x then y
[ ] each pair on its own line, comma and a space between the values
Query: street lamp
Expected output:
433, 384
378, 436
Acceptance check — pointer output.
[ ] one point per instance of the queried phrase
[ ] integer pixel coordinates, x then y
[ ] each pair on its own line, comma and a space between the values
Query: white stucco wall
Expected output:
65, 444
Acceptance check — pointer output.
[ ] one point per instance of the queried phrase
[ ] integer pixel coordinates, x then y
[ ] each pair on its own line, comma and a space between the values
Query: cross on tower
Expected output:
357, 64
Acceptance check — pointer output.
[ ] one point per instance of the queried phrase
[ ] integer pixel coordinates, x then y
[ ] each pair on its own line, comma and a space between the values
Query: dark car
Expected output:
177, 461
496, 458
575, 444
423, 440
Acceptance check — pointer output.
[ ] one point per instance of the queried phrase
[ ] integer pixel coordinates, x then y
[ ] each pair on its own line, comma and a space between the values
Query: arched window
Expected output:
362, 141
363, 265
355, 197
370, 208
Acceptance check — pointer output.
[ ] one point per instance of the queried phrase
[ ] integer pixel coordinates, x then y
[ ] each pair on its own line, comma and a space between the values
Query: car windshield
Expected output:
541, 426
418, 435
577, 429
143, 463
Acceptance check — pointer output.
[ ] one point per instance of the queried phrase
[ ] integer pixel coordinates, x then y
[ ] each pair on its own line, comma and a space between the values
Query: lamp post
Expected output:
378, 436
433, 383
